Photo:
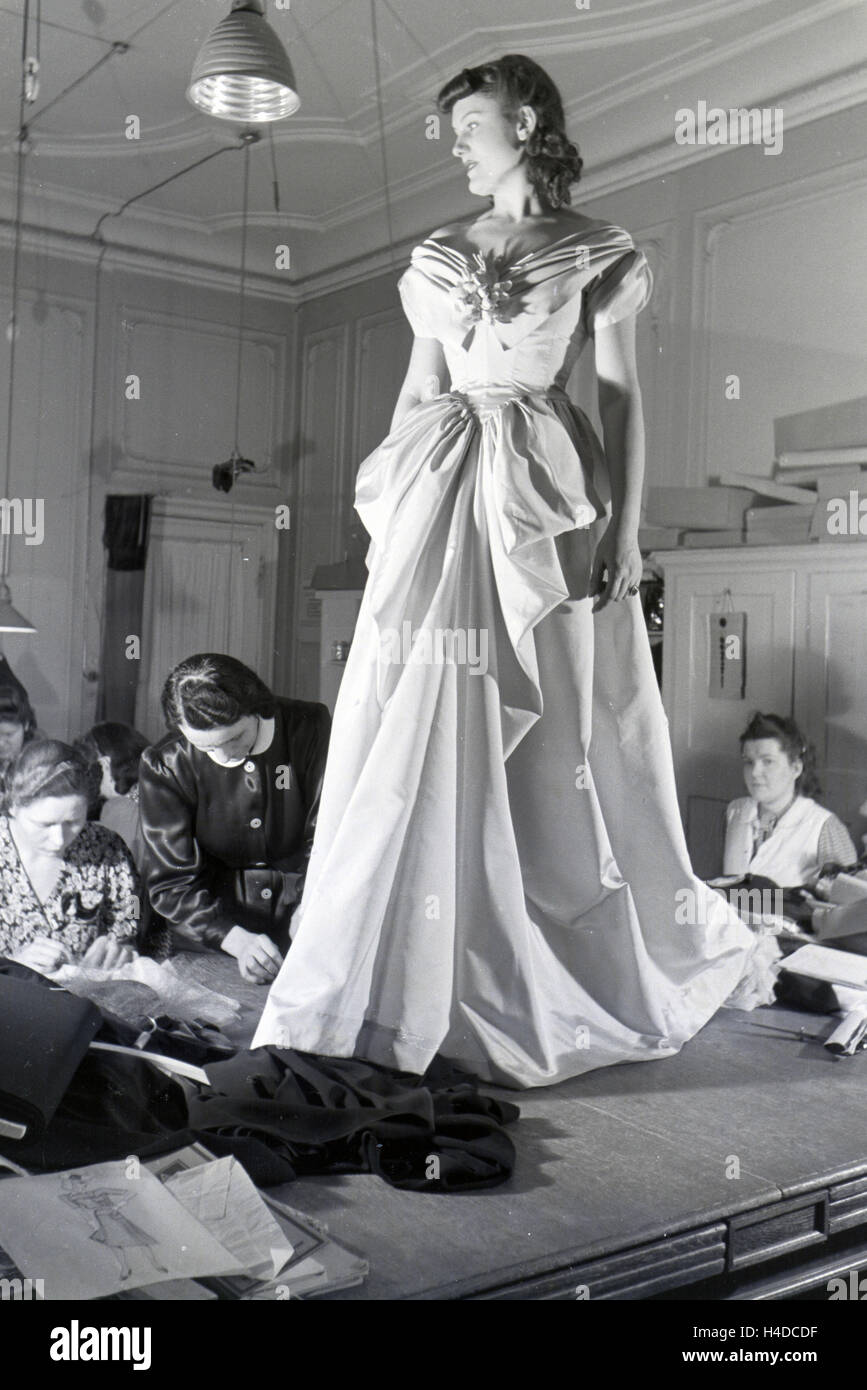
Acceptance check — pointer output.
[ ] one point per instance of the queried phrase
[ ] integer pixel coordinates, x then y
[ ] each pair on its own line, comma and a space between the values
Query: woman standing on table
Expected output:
499, 859
228, 801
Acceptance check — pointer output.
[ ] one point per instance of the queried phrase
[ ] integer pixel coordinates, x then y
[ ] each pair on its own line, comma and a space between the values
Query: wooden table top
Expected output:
621, 1156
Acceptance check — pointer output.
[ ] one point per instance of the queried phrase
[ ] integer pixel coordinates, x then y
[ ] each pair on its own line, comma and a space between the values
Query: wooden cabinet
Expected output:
806, 612
338, 616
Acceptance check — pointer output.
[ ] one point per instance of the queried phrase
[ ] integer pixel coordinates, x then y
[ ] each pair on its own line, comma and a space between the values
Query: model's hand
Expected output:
44, 955
619, 557
107, 954
257, 956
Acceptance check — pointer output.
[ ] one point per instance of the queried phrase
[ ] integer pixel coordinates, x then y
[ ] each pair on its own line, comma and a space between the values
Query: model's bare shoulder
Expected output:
573, 221
452, 230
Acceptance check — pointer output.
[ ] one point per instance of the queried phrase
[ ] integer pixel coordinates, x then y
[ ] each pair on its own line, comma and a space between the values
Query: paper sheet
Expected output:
824, 963
103, 1229
223, 1198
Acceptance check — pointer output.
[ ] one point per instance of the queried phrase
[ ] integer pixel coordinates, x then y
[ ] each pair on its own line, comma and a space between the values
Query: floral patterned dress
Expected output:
96, 894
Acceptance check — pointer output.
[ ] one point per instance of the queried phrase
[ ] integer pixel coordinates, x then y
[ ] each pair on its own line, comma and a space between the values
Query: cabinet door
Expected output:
339, 616
704, 729
831, 683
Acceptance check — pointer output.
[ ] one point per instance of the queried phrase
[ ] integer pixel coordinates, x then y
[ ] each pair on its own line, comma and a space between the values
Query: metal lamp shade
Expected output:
242, 72
10, 619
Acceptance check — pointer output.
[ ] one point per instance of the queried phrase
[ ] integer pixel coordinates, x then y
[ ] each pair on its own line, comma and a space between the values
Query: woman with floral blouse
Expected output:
69, 890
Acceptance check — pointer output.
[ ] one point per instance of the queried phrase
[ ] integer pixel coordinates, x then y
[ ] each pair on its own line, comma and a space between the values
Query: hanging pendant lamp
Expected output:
223, 475
10, 619
242, 72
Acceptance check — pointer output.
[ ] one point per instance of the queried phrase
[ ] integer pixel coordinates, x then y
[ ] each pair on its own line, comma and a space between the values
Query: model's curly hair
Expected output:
793, 744
553, 162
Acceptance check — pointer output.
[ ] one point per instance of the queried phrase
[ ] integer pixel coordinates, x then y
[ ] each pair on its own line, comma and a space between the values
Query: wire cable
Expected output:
96, 234
381, 120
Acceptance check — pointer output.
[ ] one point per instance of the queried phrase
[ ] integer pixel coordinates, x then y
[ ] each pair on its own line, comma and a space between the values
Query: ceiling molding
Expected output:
360, 127
71, 246
835, 94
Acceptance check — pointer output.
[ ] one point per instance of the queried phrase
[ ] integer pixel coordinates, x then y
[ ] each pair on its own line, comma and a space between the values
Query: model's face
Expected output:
768, 773
11, 739
228, 745
50, 824
486, 142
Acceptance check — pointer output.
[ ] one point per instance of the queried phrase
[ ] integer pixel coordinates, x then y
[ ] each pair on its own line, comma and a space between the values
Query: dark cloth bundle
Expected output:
282, 1114
344, 1115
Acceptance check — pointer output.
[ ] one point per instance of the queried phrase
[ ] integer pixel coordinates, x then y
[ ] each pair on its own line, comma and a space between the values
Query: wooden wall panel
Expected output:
49, 466
322, 486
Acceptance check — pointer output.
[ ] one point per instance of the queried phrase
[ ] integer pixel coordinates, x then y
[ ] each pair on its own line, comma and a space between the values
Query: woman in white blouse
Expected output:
779, 831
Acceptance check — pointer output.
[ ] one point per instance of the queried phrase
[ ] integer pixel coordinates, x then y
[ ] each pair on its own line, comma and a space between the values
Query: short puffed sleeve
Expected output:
415, 295
623, 288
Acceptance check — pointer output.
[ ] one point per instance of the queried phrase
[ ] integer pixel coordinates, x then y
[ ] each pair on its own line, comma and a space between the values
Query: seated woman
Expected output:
779, 831
17, 723
229, 800
115, 750
69, 891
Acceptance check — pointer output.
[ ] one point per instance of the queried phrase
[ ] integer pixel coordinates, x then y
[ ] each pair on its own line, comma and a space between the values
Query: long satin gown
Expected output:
499, 873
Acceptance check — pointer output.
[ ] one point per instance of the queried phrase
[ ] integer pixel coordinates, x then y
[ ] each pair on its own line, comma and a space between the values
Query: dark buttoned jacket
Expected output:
228, 846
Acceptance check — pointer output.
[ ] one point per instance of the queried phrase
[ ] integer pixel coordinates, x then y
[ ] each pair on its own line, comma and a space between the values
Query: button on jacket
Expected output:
228, 846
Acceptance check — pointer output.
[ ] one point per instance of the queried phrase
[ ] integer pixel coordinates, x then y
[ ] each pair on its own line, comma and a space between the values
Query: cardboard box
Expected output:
706, 540
658, 538
766, 487
769, 535
841, 518
787, 516
698, 508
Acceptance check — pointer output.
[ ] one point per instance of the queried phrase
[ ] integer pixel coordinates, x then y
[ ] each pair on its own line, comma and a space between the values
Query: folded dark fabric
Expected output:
44, 1034
110, 1106
114, 1107
339, 1115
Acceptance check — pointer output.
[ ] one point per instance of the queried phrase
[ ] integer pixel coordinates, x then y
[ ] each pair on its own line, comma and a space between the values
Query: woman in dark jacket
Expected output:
229, 800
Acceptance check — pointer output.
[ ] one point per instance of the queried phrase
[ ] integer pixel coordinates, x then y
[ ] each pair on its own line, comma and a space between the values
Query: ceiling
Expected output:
624, 67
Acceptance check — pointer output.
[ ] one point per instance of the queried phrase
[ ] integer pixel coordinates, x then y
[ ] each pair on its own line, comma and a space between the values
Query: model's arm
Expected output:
623, 434
426, 377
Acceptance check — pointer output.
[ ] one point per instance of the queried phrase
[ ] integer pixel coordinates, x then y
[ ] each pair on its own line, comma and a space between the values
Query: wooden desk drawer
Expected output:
761, 1235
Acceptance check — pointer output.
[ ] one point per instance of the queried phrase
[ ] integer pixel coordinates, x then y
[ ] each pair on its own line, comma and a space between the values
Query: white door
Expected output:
209, 587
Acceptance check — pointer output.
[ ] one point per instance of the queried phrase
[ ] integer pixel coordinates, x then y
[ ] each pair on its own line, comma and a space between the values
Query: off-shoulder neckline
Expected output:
583, 234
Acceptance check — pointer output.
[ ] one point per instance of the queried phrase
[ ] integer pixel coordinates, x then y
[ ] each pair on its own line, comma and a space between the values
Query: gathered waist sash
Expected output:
494, 396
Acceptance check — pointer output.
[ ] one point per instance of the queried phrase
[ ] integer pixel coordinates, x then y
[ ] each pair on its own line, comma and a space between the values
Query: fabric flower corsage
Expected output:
480, 296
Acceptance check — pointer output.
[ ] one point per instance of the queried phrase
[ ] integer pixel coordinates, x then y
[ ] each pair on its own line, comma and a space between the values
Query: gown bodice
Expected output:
522, 324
